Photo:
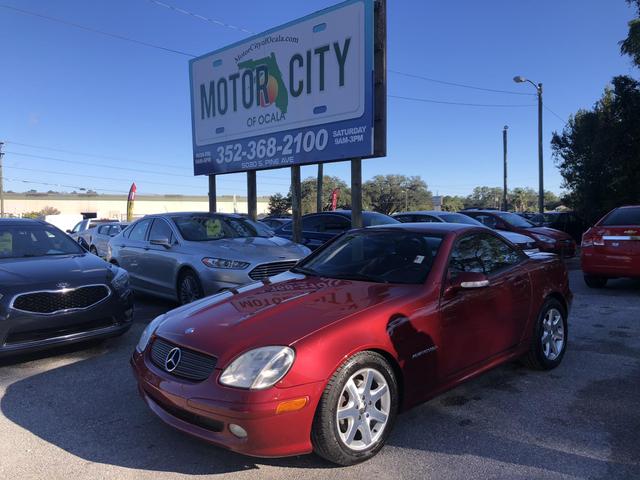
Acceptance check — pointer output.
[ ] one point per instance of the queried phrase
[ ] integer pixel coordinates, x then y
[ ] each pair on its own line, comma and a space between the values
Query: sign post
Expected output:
308, 92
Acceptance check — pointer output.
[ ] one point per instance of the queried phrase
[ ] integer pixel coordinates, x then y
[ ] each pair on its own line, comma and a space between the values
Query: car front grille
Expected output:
192, 365
270, 269
55, 301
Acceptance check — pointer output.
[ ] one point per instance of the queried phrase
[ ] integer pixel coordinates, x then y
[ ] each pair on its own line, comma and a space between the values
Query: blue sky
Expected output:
77, 91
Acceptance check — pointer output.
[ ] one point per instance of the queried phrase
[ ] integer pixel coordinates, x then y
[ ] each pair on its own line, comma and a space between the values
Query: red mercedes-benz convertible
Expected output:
322, 358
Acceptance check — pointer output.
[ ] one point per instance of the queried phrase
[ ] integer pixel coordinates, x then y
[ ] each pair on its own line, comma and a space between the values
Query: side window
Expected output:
427, 219
139, 230
76, 229
335, 224
161, 230
482, 253
487, 220
104, 229
404, 218
312, 224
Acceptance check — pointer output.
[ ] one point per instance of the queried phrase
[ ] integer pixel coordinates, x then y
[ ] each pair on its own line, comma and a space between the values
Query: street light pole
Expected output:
504, 151
538, 88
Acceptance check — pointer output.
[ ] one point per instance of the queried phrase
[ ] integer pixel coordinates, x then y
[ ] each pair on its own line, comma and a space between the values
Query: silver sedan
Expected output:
185, 256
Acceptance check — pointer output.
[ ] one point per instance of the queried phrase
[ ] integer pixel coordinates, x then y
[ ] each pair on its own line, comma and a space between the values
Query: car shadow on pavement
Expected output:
91, 409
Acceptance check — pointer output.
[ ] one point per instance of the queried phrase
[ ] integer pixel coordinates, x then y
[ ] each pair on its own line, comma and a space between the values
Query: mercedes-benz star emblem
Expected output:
173, 359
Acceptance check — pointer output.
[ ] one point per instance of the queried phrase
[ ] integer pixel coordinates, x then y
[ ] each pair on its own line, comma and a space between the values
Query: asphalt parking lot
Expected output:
75, 413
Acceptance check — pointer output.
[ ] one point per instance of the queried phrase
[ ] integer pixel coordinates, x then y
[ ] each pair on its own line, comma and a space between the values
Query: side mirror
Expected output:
161, 241
83, 243
69, 231
466, 281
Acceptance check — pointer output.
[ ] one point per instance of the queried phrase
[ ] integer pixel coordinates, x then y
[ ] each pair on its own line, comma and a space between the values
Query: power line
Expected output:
201, 17
94, 30
563, 120
461, 85
428, 100
77, 162
75, 187
105, 157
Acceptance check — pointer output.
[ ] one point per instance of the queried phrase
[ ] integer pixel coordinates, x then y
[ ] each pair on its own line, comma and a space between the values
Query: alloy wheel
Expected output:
189, 290
552, 334
363, 409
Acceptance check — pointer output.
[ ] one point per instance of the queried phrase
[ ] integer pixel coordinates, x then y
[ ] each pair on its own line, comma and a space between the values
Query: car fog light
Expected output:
237, 430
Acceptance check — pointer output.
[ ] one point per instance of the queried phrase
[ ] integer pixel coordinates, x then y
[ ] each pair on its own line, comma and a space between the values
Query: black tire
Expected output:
324, 433
595, 282
94, 250
535, 357
189, 288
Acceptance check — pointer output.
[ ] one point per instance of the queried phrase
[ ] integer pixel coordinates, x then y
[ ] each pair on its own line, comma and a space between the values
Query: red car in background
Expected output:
547, 239
323, 357
611, 248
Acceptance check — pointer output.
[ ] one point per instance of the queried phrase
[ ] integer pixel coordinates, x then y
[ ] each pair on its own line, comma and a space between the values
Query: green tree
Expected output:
551, 200
484, 197
598, 152
42, 213
396, 193
309, 188
631, 45
279, 204
452, 203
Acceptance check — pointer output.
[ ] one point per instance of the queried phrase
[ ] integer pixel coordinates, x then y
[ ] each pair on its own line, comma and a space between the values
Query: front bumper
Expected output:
22, 332
564, 248
207, 409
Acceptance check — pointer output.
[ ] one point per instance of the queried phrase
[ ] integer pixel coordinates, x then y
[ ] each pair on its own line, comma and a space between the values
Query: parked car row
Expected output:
278, 350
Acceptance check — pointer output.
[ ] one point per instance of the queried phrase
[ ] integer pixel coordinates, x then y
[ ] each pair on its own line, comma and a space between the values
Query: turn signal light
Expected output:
291, 405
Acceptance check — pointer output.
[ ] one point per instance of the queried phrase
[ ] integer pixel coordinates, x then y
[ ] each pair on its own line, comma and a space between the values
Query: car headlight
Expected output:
224, 263
121, 280
148, 332
543, 238
258, 369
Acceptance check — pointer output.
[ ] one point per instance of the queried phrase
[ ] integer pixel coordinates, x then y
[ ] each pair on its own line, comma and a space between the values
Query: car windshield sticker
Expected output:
418, 259
214, 228
6, 243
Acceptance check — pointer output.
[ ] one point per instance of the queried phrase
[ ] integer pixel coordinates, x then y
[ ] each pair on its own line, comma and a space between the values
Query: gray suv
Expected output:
185, 256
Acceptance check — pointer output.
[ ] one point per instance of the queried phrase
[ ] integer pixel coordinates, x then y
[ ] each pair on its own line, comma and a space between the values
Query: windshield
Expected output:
459, 218
33, 240
375, 256
623, 216
204, 227
514, 220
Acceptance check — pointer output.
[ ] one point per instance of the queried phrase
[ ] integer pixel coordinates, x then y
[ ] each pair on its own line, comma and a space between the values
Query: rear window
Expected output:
370, 219
622, 216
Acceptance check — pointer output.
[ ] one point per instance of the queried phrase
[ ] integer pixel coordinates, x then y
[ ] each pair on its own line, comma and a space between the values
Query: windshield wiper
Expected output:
359, 276
305, 271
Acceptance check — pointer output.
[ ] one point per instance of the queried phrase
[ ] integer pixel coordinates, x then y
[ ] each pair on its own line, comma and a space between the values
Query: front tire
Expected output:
595, 282
357, 410
189, 288
550, 333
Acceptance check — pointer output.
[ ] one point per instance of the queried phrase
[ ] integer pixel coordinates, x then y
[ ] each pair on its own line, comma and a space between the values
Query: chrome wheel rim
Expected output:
363, 409
552, 334
189, 291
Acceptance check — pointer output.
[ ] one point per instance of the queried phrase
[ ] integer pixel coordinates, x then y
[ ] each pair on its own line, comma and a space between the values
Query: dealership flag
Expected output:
130, 201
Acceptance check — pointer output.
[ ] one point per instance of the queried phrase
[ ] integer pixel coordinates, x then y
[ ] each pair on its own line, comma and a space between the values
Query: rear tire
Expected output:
189, 288
549, 340
357, 410
595, 282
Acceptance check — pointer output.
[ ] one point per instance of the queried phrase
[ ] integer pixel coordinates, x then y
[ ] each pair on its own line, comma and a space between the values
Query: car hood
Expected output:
252, 248
549, 232
282, 312
516, 238
28, 274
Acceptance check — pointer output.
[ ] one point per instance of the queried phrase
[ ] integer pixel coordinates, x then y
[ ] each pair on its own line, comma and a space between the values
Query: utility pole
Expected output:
540, 158
319, 185
504, 150
1, 183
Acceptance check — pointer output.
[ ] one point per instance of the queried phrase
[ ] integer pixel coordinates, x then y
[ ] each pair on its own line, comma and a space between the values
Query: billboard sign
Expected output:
298, 94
